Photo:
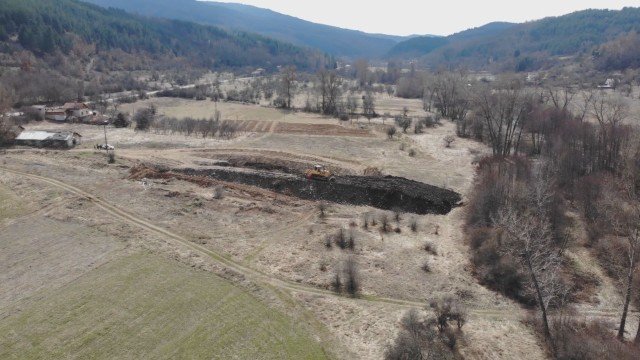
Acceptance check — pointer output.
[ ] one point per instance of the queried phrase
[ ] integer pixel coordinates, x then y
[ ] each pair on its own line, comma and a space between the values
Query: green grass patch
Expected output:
143, 306
10, 204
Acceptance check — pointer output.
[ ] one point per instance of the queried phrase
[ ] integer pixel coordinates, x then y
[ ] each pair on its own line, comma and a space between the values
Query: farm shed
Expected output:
59, 139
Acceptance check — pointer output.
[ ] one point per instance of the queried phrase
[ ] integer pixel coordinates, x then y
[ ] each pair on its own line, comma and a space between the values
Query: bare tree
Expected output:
352, 284
288, 85
352, 104
560, 96
362, 72
369, 105
451, 95
610, 112
330, 85
503, 111
528, 237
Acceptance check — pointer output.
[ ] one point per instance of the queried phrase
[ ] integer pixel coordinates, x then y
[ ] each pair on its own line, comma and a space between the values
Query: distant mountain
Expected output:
333, 40
528, 46
49, 27
417, 46
423, 45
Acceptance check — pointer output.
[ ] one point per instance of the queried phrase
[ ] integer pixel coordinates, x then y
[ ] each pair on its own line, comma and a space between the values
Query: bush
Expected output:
413, 224
418, 339
418, 128
336, 284
112, 157
218, 192
404, 123
412, 152
448, 310
322, 208
580, 340
328, 241
426, 266
384, 223
352, 285
121, 121
391, 131
430, 248
144, 118
448, 140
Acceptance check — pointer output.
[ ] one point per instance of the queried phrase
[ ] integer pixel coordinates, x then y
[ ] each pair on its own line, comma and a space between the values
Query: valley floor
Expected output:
96, 263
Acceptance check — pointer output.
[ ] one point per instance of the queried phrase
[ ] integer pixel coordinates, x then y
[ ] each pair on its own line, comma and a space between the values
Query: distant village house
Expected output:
49, 139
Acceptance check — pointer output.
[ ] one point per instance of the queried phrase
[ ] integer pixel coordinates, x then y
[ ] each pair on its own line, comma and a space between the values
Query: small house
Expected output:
78, 110
55, 114
50, 139
608, 84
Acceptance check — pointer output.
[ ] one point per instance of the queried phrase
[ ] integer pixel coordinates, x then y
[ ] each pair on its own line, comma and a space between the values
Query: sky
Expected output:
443, 17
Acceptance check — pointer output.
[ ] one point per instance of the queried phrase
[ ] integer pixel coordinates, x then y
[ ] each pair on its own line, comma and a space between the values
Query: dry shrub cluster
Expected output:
436, 337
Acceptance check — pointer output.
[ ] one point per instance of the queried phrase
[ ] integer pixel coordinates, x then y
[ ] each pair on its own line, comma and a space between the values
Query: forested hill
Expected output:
330, 39
422, 45
55, 27
530, 45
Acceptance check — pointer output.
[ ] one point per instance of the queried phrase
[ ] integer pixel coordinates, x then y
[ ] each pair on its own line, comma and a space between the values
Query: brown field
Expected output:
98, 224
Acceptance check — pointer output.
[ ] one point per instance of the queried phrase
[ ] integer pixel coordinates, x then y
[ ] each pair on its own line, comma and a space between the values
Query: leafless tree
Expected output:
288, 85
451, 95
560, 96
330, 87
352, 104
369, 105
610, 112
352, 284
527, 236
448, 140
503, 111
362, 72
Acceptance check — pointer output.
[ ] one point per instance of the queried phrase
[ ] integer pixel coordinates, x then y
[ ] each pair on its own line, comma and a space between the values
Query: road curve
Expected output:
255, 275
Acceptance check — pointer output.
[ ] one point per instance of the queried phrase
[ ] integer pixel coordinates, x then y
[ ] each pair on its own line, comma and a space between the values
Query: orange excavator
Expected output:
319, 172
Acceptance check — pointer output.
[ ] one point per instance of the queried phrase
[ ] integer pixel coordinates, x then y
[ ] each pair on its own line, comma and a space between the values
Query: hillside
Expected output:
47, 27
333, 40
423, 45
530, 45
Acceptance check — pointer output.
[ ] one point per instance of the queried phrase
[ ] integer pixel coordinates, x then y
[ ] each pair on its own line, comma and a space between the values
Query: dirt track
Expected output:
260, 277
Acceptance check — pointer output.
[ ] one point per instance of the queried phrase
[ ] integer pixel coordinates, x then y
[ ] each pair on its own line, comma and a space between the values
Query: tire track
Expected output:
260, 277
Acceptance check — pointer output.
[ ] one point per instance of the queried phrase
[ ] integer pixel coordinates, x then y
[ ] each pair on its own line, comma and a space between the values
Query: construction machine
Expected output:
319, 172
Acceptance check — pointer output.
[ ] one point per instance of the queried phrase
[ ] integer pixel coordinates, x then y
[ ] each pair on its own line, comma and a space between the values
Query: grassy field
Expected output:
10, 205
144, 306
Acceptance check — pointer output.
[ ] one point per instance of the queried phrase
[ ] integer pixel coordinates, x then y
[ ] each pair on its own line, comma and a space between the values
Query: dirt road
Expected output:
257, 276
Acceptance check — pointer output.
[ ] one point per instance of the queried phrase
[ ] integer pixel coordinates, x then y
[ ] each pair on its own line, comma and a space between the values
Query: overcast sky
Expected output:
444, 17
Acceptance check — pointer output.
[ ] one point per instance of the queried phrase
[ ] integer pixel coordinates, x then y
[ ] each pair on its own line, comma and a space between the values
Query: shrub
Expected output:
391, 131
430, 248
322, 208
218, 192
352, 285
144, 118
112, 157
412, 152
448, 310
336, 284
340, 239
397, 215
384, 223
448, 140
365, 221
413, 224
121, 121
426, 266
328, 241
581, 340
